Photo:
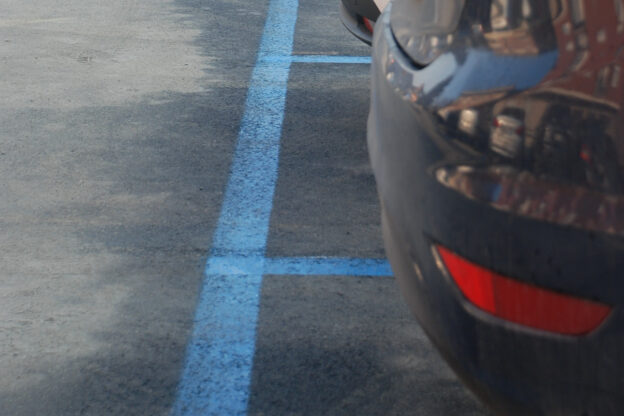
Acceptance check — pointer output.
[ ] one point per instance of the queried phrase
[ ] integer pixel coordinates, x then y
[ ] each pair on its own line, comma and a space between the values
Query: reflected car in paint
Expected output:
359, 17
496, 136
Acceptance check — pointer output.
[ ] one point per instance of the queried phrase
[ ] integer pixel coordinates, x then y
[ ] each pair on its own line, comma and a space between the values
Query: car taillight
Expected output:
369, 25
522, 303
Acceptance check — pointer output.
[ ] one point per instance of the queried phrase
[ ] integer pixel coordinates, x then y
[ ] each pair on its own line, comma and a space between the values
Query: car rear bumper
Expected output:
517, 370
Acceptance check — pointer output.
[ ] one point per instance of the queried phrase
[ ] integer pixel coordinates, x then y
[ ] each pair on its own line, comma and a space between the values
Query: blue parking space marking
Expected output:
242, 265
217, 370
330, 59
318, 59
216, 375
327, 266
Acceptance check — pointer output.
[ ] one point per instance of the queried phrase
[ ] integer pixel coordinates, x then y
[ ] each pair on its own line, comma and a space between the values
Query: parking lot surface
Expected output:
190, 225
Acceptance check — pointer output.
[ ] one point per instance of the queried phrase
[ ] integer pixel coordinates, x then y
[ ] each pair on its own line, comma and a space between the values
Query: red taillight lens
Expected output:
369, 25
522, 303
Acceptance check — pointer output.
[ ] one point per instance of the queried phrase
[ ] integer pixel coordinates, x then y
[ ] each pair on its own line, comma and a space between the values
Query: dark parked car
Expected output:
496, 136
359, 16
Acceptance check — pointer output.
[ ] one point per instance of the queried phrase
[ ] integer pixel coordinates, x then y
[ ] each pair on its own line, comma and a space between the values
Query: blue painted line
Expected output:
327, 266
318, 59
216, 375
331, 59
235, 265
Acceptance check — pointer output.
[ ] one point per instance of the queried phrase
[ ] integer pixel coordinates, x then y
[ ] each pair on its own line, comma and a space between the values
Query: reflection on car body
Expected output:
496, 138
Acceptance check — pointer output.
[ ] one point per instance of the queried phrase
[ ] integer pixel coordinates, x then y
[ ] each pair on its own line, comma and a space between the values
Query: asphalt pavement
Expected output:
118, 127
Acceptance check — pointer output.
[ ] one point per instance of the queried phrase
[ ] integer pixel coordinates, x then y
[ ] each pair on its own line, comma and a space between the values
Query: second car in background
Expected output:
359, 16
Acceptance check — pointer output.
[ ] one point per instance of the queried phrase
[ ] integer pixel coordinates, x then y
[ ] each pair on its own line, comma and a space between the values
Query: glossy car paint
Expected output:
507, 149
